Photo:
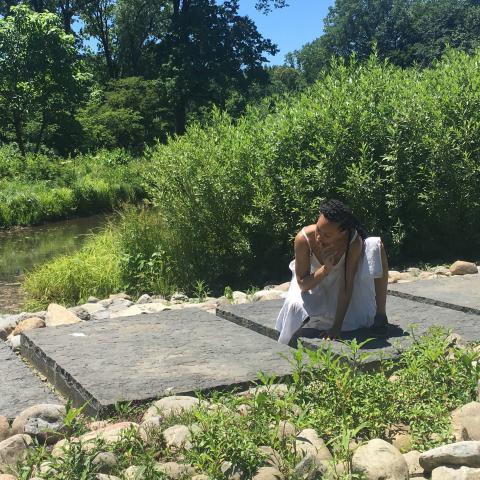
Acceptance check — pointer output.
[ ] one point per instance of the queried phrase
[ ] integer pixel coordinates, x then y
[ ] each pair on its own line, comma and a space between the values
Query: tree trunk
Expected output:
40, 134
17, 123
180, 116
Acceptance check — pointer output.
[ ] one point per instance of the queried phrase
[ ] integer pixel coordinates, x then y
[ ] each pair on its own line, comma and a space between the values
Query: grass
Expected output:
340, 400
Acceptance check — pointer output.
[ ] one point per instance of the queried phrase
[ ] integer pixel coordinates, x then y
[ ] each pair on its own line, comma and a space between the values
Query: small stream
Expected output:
23, 248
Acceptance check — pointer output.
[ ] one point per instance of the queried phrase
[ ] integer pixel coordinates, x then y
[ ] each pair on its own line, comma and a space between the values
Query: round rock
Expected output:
461, 267
4, 428
378, 460
28, 324
171, 405
455, 454
13, 449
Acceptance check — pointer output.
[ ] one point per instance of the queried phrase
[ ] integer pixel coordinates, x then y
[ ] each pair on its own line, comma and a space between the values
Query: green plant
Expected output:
201, 291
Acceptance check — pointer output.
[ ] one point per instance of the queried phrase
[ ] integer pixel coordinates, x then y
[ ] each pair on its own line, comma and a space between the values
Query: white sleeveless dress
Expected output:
320, 303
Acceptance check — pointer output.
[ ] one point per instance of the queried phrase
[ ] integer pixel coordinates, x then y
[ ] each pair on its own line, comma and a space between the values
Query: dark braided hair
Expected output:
336, 211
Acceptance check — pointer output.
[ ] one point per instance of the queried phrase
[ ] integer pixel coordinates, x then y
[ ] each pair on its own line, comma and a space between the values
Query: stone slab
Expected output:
147, 356
20, 388
458, 292
403, 315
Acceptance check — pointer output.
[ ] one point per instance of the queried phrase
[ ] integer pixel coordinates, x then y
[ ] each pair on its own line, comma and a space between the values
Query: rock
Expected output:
268, 473
308, 441
310, 467
7, 326
102, 476
284, 430
97, 424
81, 312
119, 304
244, 410
263, 295
109, 434
454, 454
175, 470
58, 315
13, 449
178, 437
239, 297
278, 390
14, 341
462, 473
92, 300
106, 302
4, 428
399, 436
444, 271
119, 296
171, 405
283, 287
466, 422
378, 460
28, 324
92, 308
133, 473
395, 277
105, 461
43, 421
7, 476
463, 268
273, 458
201, 477
140, 309
414, 271
145, 298
103, 314
454, 339
178, 297
427, 275
412, 459
230, 471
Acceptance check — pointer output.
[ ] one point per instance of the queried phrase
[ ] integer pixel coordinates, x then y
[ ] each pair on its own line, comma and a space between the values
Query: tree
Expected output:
39, 72
404, 31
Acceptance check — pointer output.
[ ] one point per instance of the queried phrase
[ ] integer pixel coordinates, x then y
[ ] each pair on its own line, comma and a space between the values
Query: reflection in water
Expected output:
21, 249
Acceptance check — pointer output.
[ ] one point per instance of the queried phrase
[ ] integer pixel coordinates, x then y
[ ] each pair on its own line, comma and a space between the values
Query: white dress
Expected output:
320, 303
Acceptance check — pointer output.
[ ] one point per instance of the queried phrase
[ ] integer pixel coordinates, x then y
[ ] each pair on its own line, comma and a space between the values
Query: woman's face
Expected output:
328, 233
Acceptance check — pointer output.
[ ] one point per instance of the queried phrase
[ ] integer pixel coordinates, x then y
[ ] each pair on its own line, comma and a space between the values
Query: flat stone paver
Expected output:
140, 358
460, 292
402, 314
20, 388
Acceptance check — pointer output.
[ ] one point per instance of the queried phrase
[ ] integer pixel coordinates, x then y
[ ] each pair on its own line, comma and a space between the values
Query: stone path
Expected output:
148, 356
458, 292
19, 387
402, 313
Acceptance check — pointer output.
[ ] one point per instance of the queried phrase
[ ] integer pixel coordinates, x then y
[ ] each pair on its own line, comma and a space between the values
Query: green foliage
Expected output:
38, 188
69, 280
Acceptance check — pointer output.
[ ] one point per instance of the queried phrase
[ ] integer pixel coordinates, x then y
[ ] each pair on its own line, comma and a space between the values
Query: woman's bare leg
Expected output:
381, 285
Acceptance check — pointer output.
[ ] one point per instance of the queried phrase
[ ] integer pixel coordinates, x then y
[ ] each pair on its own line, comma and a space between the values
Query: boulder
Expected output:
4, 428
119, 304
308, 441
378, 460
58, 315
15, 342
268, 473
133, 473
272, 457
284, 430
262, 295
178, 437
13, 449
105, 462
92, 299
461, 267
7, 326
7, 476
119, 296
43, 421
278, 390
81, 313
444, 271
174, 404
28, 324
310, 467
283, 287
399, 436
455, 454
175, 470
412, 459
399, 277
462, 473
92, 307
466, 422
145, 298
102, 476
109, 434
178, 297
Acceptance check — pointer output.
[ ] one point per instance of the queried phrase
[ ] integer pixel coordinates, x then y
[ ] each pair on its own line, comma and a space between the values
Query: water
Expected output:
21, 249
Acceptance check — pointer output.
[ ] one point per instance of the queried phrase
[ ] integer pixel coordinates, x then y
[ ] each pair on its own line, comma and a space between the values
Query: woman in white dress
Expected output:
339, 278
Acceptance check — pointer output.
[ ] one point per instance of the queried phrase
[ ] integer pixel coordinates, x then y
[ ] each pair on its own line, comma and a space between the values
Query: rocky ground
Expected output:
376, 459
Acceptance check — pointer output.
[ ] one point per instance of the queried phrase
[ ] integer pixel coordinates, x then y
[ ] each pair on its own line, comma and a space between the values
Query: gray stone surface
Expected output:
19, 386
141, 358
457, 292
402, 315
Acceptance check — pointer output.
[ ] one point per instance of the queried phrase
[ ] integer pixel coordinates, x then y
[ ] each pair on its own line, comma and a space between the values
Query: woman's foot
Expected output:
380, 326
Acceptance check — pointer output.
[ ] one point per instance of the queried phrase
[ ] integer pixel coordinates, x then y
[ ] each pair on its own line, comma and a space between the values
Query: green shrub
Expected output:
71, 279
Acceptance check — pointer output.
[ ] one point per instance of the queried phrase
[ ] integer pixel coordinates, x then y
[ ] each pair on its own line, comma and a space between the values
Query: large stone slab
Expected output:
403, 315
20, 388
457, 293
148, 356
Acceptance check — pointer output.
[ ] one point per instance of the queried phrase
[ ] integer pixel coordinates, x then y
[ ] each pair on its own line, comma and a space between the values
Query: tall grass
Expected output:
35, 189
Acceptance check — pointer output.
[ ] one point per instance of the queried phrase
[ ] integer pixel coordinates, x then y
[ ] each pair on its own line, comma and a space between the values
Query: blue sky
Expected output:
289, 27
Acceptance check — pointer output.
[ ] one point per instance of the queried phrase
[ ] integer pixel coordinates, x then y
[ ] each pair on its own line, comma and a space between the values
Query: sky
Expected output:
290, 27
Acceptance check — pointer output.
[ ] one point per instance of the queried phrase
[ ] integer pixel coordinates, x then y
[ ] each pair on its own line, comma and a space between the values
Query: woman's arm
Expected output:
305, 279
346, 287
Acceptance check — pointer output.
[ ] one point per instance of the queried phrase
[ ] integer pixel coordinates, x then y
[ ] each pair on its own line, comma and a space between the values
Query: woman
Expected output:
339, 280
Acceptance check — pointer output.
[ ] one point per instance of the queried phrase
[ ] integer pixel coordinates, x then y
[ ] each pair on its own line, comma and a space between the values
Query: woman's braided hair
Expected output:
336, 211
